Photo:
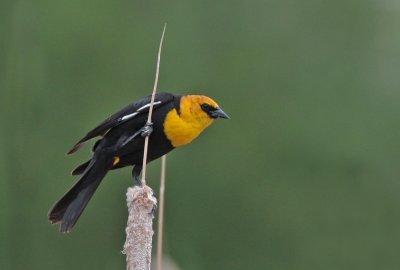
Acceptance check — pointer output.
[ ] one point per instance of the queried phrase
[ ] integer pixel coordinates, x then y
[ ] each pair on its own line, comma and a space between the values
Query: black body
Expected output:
122, 139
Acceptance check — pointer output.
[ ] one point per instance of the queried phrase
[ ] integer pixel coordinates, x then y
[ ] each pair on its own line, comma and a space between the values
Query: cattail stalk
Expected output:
139, 230
161, 214
141, 205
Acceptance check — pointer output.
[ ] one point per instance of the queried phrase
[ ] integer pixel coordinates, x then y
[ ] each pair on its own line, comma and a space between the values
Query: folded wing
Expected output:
129, 112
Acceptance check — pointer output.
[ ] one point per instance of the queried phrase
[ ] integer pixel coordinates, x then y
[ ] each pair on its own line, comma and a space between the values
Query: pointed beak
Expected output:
218, 113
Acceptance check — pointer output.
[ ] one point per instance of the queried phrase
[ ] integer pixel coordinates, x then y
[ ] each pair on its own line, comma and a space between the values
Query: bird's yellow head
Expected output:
200, 108
195, 114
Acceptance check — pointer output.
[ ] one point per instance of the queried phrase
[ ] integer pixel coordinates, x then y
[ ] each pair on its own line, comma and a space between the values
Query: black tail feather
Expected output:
81, 168
76, 147
68, 209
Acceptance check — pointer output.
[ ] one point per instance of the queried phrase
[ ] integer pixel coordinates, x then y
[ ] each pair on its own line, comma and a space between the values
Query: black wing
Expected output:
129, 112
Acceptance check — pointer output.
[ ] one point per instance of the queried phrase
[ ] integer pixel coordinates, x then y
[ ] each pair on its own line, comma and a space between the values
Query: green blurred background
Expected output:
304, 176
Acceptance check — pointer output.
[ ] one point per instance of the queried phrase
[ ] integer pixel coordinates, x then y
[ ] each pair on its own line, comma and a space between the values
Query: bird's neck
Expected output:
183, 128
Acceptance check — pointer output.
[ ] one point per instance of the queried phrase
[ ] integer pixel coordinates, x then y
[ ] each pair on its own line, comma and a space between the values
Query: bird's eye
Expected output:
207, 107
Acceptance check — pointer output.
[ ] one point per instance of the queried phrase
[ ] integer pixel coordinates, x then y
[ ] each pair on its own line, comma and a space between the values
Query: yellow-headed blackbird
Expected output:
177, 120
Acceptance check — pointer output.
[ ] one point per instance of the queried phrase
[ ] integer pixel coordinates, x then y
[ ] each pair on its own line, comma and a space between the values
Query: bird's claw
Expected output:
154, 209
146, 130
138, 181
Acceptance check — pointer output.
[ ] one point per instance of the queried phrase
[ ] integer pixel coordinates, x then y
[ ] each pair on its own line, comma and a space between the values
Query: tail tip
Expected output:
75, 148
65, 227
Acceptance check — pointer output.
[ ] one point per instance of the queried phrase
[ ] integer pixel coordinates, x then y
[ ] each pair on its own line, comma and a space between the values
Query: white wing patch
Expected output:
148, 105
129, 116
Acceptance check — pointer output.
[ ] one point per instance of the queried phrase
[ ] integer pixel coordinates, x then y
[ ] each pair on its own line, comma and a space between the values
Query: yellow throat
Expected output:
184, 128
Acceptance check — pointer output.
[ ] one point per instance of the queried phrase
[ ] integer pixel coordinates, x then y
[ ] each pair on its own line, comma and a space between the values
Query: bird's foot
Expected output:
154, 210
146, 130
138, 181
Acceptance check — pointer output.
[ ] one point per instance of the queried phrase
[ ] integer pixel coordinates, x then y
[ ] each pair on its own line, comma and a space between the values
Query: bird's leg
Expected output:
147, 129
154, 209
136, 174
125, 140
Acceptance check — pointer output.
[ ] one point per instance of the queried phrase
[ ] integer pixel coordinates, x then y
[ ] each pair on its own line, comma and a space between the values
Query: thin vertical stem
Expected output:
161, 214
146, 140
141, 203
